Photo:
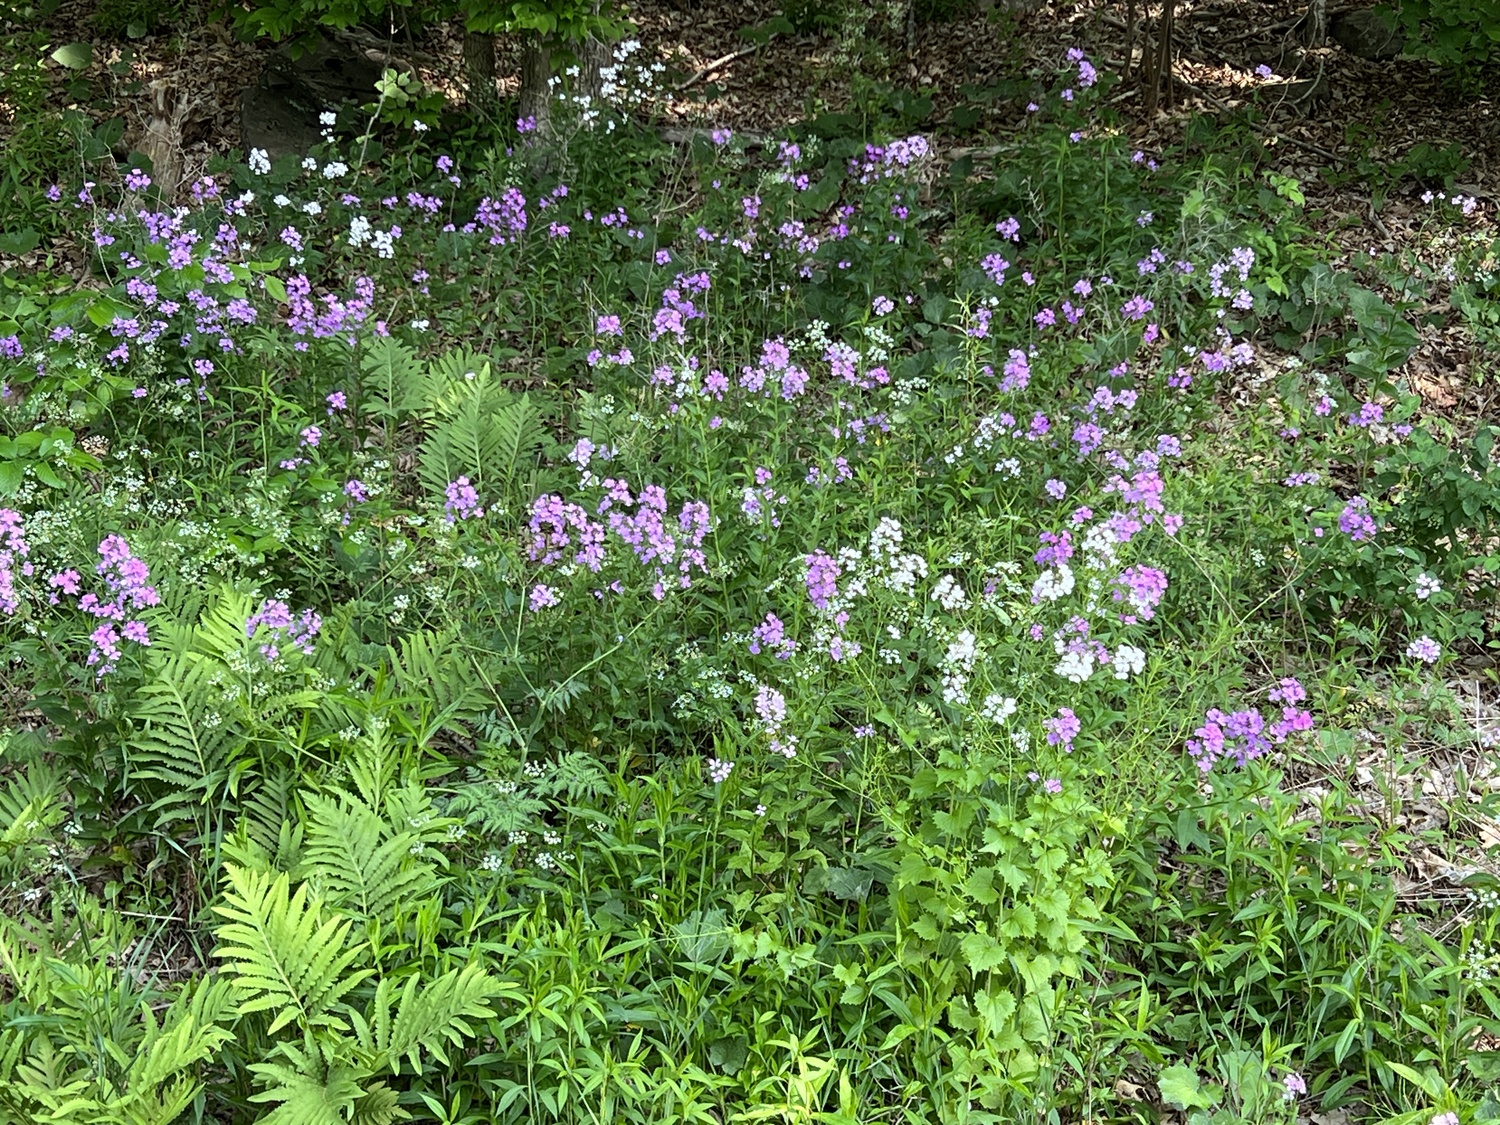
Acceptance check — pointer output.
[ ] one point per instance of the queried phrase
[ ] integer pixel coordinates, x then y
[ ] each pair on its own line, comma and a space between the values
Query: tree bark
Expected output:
479, 71
536, 83
1157, 61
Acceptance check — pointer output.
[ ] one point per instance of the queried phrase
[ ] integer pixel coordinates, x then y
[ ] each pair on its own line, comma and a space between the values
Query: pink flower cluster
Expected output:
1246, 735
564, 533
12, 547
127, 589
297, 630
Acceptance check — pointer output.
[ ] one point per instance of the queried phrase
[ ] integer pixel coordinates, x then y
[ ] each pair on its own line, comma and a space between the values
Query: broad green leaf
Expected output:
74, 56
1181, 1088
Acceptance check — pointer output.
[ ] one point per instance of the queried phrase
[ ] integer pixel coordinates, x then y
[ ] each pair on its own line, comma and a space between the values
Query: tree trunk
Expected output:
536, 88
479, 71
1157, 61
593, 56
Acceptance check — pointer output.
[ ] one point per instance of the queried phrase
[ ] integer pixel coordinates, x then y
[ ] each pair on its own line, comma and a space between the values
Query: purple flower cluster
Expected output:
559, 528
285, 628
881, 162
1355, 520
127, 588
1242, 736
13, 552
1143, 587
822, 579
771, 634
1063, 729
503, 219
461, 501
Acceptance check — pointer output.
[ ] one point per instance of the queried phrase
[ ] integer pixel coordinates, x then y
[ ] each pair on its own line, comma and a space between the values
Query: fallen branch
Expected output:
686, 135
717, 64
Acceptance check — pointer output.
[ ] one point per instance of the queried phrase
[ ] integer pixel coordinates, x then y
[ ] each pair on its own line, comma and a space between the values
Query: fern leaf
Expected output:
306, 1099
391, 372
518, 434
182, 742
429, 1015
357, 863
282, 954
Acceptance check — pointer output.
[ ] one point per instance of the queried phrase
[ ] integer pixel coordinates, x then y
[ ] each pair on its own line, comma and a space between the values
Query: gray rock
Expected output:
280, 112
1366, 35
278, 122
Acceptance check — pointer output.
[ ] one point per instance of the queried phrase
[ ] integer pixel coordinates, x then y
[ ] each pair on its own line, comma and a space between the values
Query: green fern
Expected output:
434, 667
476, 427
424, 1015
31, 808
283, 954
391, 372
313, 1087
183, 741
358, 862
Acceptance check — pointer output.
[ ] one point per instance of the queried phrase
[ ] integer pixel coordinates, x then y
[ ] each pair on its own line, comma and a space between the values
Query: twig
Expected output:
717, 64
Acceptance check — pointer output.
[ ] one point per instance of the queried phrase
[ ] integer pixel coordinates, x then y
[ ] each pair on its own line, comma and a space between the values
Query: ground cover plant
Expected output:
738, 632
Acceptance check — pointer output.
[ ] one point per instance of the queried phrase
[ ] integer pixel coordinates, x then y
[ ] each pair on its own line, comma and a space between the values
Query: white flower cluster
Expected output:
1054, 583
1425, 586
1075, 667
1127, 661
949, 594
958, 663
997, 708
259, 161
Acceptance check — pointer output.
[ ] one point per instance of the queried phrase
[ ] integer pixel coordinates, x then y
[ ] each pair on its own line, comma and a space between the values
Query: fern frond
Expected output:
190, 1031
30, 808
431, 665
391, 371
268, 810
282, 954
358, 862
378, 1106
183, 743
306, 1099
425, 1015
518, 435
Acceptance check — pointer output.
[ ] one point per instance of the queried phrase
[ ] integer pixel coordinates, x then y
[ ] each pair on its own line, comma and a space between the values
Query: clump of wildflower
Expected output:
822, 578
1292, 1086
771, 634
13, 547
284, 628
718, 771
127, 579
1355, 520
1425, 649
462, 501
1063, 729
1245, 735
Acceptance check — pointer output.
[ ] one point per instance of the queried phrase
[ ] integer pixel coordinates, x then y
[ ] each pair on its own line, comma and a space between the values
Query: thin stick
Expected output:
717, 64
